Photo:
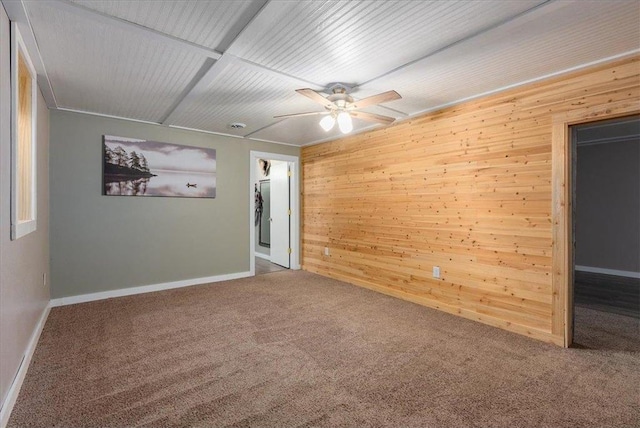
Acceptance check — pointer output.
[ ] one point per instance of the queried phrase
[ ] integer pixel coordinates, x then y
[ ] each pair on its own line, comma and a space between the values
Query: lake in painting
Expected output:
166, 183
133, 167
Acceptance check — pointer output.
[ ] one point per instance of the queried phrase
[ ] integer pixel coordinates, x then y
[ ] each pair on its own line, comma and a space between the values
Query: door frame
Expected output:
561, 208
294, 195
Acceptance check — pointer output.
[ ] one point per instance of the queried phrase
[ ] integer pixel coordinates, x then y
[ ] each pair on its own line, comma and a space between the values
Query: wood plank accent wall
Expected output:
467, 188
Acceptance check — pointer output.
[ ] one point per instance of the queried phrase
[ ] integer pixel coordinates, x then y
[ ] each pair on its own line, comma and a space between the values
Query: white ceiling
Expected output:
206, 64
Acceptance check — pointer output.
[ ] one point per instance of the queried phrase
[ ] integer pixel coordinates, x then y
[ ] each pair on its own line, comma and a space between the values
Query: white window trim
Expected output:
20, 229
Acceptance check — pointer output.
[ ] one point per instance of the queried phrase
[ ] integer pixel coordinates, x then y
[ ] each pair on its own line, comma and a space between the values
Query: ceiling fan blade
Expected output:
310, 113
377, 99
372, 117
315, 96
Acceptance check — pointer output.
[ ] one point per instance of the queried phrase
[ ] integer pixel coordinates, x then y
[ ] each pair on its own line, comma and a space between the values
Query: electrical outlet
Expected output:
326, 251
436, 271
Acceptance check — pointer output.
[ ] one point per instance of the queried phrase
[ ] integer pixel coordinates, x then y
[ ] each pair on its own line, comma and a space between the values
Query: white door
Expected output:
279, 176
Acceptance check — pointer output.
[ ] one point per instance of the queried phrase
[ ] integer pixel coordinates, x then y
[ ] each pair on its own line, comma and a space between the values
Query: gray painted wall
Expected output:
102, 243
608, 206
23, 296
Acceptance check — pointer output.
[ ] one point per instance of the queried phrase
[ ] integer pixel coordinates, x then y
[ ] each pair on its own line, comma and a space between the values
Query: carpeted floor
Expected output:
293, 349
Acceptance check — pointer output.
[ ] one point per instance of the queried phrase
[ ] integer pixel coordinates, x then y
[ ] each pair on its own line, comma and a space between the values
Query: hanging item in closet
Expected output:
258, 202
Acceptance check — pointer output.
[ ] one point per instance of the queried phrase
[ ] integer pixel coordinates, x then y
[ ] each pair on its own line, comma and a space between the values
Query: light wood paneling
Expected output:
467, 188
24, 176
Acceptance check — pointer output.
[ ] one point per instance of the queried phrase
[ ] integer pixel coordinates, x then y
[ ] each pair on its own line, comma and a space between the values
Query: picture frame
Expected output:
138, 167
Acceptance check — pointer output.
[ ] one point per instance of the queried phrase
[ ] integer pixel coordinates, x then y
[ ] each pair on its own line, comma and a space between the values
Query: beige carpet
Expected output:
293, 349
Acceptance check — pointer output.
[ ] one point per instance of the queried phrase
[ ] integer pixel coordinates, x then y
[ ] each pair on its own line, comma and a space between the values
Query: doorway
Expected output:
274, 208
562, 262
605, 222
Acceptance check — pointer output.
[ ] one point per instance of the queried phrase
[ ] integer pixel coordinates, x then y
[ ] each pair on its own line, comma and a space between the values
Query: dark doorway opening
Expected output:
606, 230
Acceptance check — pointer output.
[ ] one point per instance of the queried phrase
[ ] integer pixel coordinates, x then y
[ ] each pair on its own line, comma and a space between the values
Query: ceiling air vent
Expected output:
237, 125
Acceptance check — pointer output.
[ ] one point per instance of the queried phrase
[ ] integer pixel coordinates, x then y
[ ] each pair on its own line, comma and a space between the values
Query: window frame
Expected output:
18, 47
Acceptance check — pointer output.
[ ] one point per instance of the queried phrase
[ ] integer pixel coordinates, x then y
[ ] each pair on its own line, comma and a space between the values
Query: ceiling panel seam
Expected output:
263, 128
241, 25
209, 72
202, 81
203, 131
490, 28
199, 82
319, 88
206, 67
70, 110
85, 12
209, 75
526, 82
488, 93
226, 59
270, 71
110, 116
260, 5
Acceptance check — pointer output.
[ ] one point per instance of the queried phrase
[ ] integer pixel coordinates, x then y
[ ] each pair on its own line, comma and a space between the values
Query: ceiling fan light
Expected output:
327, 123
344, 122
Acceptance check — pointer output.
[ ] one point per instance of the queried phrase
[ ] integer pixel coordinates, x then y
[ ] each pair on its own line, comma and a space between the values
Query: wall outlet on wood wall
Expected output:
436, 271
326, 251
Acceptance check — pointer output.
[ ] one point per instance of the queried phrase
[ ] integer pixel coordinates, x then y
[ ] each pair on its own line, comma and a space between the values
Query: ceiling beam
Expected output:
542, 8
94, 15
217, 60
196, 87
204, 69
279, 74
201, 81
277, 121
248, 16
238, 27
208, 73
18, 14
245, 21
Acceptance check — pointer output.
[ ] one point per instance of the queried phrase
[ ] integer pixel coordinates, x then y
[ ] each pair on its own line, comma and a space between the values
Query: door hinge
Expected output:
289, 250
289, 174
289, 211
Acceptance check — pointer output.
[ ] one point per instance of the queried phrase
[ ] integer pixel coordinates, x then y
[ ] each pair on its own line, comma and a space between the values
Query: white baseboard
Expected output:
14, 390
604, 271
72, 300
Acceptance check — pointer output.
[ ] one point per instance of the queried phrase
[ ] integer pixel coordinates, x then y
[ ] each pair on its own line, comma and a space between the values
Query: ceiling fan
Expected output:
341, 107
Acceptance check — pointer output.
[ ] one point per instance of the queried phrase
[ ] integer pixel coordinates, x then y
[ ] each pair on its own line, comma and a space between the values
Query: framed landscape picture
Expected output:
135, 167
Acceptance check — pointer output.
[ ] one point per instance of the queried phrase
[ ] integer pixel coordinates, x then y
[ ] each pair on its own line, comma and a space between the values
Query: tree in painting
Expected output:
119, 163
144, 165
121, 157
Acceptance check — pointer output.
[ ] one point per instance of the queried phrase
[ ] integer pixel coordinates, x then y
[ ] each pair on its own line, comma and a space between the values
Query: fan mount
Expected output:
339, 95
